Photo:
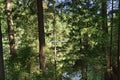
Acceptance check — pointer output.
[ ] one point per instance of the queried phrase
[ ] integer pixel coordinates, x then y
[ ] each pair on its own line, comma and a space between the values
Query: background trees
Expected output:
79, 39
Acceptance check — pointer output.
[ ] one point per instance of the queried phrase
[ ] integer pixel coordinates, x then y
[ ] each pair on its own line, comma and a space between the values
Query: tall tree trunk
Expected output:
105, 30
41, 35
55, 41
118, 62
110, 60
2, 73
10, 27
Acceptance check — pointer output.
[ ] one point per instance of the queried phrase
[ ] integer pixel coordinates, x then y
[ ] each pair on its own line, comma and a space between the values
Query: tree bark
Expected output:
10, 27
41, 36
2, 72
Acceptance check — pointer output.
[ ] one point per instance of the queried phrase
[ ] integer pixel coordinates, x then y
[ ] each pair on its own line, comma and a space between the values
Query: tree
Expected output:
2, 73
111, 45
41, 35
118, 62
10, 27
104, 16
105, 31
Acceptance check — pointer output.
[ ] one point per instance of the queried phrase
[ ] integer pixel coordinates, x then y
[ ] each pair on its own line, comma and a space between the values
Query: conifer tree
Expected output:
41, 35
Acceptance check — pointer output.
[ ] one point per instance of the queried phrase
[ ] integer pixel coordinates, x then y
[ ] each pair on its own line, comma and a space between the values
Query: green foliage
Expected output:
76, 26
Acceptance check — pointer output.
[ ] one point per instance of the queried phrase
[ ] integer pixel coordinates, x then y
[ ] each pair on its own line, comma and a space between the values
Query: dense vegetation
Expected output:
60, 40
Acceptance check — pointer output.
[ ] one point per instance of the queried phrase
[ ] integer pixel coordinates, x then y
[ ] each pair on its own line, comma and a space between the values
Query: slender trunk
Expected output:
118, 62
11, 34
105, 30
2, 73
104, 16
10, 27
111, 77
41, 36
55, 56
86, 72
82, 71
55, 39
25, 78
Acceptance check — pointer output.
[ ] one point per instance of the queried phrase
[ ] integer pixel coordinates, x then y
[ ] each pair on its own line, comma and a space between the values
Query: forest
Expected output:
59, 39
